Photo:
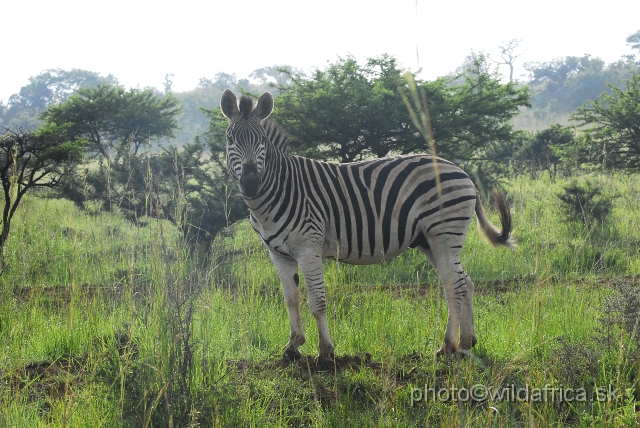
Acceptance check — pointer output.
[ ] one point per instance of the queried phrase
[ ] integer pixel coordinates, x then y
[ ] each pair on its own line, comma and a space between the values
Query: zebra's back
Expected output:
374, 210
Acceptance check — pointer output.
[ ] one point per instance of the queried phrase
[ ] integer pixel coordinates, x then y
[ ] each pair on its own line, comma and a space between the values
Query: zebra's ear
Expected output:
229, 104
265, 106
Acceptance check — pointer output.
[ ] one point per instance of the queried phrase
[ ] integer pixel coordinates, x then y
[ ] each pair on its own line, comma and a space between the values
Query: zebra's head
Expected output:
246, 139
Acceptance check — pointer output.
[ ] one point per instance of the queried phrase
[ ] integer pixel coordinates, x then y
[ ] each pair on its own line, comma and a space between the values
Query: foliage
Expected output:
117, 123
471, 112
545, 150
216, 136
126, 181
48, 88
272, 77
585, 203
622, 309
634, 40
212, 200
351, 111
181, 185
564, 84
225, 204
123, 171
470, 120
613, 133
30, 160
347, 111
207, 94
221, 81
191, 121
113, 119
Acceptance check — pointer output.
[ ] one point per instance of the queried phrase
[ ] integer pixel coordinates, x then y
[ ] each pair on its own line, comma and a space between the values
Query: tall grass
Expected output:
104, 323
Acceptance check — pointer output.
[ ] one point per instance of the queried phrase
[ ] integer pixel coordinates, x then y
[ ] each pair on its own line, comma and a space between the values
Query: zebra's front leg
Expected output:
287, 269
311, 265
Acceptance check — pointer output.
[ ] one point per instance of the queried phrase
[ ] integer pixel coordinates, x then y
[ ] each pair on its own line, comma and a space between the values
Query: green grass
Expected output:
104, 323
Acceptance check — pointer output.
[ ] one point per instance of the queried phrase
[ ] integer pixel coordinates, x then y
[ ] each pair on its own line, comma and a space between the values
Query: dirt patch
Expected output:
632, 280
348, 362
503, 285
495, 286
60, 295
308, 364
427, 290
403, 369
53, 379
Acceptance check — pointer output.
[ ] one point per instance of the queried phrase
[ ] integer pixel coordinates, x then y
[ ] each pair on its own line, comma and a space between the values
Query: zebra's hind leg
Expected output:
427, 252
467, 329
458, 290
287, 269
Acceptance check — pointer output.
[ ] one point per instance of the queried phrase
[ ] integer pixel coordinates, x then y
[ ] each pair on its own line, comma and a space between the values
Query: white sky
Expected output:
140, 41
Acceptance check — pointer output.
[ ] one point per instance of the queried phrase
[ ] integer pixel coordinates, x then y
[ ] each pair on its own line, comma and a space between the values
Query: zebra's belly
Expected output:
357, 258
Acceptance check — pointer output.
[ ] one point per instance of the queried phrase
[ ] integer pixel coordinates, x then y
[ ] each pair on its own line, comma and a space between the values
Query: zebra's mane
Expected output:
277, 136
246, 105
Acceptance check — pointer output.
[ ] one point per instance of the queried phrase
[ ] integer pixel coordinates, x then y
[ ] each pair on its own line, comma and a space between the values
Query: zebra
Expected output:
364, 212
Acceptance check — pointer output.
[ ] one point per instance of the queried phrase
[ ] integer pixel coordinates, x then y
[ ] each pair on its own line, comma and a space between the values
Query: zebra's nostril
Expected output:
249, 179
249, 169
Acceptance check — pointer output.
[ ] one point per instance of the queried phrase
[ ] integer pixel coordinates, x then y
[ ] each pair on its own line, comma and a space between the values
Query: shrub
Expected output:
586, 203
623, 307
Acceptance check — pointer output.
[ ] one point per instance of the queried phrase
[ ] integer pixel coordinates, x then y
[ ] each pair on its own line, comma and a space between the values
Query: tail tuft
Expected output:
496, 237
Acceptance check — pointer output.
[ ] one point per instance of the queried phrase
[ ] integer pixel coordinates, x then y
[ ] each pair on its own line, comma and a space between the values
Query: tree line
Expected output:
105, 147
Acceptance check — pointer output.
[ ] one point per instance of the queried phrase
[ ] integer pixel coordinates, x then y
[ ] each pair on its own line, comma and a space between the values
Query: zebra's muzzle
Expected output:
249, 180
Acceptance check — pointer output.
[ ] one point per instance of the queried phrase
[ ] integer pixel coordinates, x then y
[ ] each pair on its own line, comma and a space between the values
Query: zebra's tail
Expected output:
495, 236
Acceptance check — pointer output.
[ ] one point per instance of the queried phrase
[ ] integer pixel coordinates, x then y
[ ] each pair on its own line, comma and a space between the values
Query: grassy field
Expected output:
106, 323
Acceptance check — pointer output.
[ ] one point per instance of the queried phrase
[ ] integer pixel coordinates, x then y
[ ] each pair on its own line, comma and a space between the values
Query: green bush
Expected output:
586, 203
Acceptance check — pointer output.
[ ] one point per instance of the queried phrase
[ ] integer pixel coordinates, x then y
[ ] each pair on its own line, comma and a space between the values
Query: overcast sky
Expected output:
140, 41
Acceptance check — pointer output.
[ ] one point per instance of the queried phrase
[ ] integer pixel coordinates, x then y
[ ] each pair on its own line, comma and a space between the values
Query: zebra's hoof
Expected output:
325, 364
441, 353
291, 355
469, 343
444, 353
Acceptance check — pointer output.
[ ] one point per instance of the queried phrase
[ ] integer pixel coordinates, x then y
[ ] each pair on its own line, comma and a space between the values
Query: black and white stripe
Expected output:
362, 213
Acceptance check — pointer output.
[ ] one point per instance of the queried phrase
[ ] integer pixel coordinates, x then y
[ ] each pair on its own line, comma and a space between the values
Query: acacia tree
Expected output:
544, 150
470, 112
113, 119
32, 159
347, 111
49, 87
612, 138
117, 123
181, 185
